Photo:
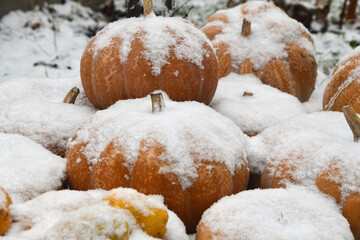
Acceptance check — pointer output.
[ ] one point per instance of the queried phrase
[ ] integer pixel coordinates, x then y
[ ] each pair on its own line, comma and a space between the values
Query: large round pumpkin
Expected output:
132, 57
188, 153
317, 151
269, 44
344, 87
5, 220
293, 213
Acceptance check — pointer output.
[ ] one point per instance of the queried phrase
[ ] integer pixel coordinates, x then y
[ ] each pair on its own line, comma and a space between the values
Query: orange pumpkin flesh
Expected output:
108, 77
151, 172
5, 220
344, 86
294, 74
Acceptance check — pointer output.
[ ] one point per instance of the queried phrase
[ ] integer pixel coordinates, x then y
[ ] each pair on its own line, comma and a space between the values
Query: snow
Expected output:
266, 107
271, 29
3, 200
33, 107
185, 129
310, 143
159, 35
293, 213
27, 169
70, 214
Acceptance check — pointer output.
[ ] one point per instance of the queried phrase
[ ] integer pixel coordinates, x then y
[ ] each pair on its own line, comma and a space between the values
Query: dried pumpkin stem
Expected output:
353, 120
246, 28
71, 95
245, 94
157, 102
148, 7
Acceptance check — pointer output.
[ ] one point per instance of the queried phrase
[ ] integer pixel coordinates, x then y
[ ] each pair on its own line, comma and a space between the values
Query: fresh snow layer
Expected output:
293, 213
34, 108
3, 200
27, 169
70, 214
266, 107
271, 29
187, 130
159, 35
311, 143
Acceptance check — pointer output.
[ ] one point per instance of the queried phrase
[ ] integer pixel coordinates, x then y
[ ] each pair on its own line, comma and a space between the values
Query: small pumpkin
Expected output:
132, 57
344, 86
188, 153
5, 220
293, 213
317, 151
259, 38
36, 108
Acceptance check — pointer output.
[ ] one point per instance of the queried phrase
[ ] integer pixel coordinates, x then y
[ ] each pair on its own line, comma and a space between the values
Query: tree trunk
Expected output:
351, 13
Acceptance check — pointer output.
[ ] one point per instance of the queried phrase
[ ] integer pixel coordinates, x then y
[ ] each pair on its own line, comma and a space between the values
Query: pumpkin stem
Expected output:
246, 28
71, 95
245, 94
353, 120
157, 102
148, 7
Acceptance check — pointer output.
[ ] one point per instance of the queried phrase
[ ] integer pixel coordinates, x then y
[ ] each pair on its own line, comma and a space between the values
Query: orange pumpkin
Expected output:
317, 151
5, 220
188, 153
132, 57
344, 86
259, 38
293, 213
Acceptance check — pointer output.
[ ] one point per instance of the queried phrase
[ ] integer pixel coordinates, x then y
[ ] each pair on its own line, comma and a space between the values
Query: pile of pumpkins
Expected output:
150, 80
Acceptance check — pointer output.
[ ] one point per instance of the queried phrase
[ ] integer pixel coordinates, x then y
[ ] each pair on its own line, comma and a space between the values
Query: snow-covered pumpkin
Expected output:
259, 38
95, 214
293, 213
5, 220
27, 169
37, 109
132, 57
187, 152
344, 86
314, 150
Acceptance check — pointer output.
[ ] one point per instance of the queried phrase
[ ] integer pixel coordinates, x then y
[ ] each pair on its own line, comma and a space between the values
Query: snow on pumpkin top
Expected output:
27, 169
3, 199
34, 108
310, 143
252, 105
345, 59
293, 213
45, 213
271, 29
186, 130
159, 35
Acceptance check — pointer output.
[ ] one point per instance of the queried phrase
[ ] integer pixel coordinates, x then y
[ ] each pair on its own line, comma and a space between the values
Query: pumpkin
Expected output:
28, 169
5, 220
188, 153
344, 86
117, 214
259, 38
132, 57
316, 151
293, 213
35, 108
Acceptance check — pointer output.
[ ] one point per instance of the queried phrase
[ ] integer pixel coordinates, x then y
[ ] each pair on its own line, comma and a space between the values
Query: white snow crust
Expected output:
311, 143
271, 29
68, 214
266, 107
293, 213
27, 169
3, 200
187, 130
33, 107
159, 36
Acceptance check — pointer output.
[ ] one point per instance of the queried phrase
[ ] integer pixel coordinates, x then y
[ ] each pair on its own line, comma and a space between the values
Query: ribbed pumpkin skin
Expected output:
188, 204
295, 74
5, 220
105, 79
340, 92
